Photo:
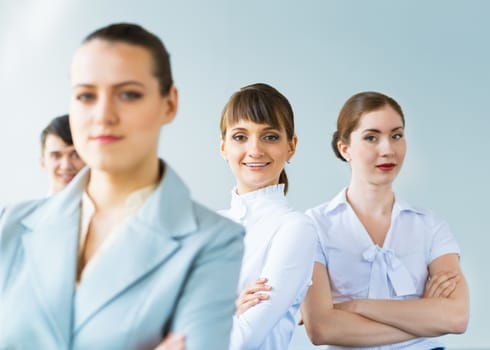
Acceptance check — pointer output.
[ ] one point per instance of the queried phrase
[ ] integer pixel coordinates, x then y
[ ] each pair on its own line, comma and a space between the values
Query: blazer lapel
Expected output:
133, 254
50, 254
148, 241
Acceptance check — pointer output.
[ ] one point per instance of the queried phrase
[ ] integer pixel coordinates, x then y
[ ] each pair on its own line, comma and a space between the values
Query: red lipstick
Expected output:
386, 166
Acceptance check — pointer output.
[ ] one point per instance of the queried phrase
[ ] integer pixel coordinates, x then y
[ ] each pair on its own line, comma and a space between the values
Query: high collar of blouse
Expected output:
255, 204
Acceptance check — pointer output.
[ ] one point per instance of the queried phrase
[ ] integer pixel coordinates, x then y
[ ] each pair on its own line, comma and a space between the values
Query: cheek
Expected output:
232, 152
147, 118
52, 164
79, 164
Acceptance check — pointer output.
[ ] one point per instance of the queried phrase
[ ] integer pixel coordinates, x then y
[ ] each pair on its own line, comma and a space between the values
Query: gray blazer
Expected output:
174, 268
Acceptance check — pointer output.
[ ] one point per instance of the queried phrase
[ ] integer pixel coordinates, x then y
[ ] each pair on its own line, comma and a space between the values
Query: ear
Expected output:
344, 150
41, 161
292, 146
222, 149
170, 105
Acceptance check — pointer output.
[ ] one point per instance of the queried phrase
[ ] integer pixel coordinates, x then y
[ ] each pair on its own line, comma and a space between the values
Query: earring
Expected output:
288, 161
347, 160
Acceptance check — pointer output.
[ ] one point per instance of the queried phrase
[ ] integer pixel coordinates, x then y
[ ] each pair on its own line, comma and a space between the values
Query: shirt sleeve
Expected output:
320, 255
288, 269
443, 241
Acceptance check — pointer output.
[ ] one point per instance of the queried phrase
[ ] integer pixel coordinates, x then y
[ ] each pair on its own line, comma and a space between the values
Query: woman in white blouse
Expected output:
257, 139
387, 273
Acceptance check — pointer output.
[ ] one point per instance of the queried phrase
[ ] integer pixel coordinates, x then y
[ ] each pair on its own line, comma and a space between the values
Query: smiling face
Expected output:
377, 147
256, 154
116, 108
61, 162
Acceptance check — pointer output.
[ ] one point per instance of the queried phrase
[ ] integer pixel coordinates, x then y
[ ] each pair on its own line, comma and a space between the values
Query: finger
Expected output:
438, 289
435, 281
256, 288
445, 289
172, 342
261, 280
248, 298
445, 293
247, 305
245, 299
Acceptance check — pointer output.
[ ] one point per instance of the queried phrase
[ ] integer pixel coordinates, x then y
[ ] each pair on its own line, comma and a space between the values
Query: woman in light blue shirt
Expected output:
123, 255
387, 273
257, 140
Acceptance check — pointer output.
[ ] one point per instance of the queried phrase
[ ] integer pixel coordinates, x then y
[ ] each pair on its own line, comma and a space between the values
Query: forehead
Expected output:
385, 118
251, 125
101, 60
54, 143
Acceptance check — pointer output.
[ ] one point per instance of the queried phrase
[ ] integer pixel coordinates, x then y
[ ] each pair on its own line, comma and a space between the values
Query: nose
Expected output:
255, 147
66, 163
386, 147
105, 110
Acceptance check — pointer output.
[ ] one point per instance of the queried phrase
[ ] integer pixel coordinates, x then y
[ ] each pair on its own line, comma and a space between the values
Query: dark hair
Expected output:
352, 111
262, 104
59, 126
136, 35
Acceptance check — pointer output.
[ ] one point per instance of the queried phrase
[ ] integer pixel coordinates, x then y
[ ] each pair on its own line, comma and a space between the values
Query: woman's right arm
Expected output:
328, 326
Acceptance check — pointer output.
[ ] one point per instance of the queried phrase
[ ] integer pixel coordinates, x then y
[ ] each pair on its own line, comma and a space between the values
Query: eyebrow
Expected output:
118, 85
270, 128
379, 132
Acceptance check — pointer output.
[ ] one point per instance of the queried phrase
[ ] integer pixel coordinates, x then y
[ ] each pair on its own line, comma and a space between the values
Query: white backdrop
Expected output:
432, 56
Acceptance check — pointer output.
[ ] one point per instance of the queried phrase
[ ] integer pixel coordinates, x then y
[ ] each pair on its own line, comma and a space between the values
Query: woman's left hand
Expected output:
172, 342
252, 295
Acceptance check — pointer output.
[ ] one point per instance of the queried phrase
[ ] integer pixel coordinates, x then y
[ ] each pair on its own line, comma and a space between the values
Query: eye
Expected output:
130, 95
55, 155
370, 138
85, 96
239, 137
74, 156
397, 136
271, 137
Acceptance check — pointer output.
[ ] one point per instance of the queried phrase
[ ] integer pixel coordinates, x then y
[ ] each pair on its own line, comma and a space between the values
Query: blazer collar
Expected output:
149, 239
50, 243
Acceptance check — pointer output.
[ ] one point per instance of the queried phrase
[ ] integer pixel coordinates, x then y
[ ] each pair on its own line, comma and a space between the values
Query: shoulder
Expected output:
318, 210
296, 227
296, 219
12, 217
326, 215
214, 223
20, 210
420, 215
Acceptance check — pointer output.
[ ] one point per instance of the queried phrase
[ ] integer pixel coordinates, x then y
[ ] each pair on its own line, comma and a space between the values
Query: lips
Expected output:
66, 178
386, 166
256, 165
106, 138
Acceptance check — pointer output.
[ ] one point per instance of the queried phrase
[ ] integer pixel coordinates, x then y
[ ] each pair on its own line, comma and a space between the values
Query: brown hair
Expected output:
59, 126
352, 111
262, 104
136, 35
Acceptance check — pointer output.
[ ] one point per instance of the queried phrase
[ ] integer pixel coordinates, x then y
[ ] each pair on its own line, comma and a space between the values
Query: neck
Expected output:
370, 199
110, 189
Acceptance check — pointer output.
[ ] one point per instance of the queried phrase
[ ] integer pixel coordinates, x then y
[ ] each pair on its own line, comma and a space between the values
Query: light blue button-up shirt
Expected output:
359, 268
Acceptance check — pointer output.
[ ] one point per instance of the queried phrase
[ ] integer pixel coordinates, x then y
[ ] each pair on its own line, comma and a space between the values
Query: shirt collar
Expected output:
340, 201
255, 202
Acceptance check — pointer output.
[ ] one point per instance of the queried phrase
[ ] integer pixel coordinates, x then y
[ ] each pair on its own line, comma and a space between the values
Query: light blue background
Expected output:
432, 56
